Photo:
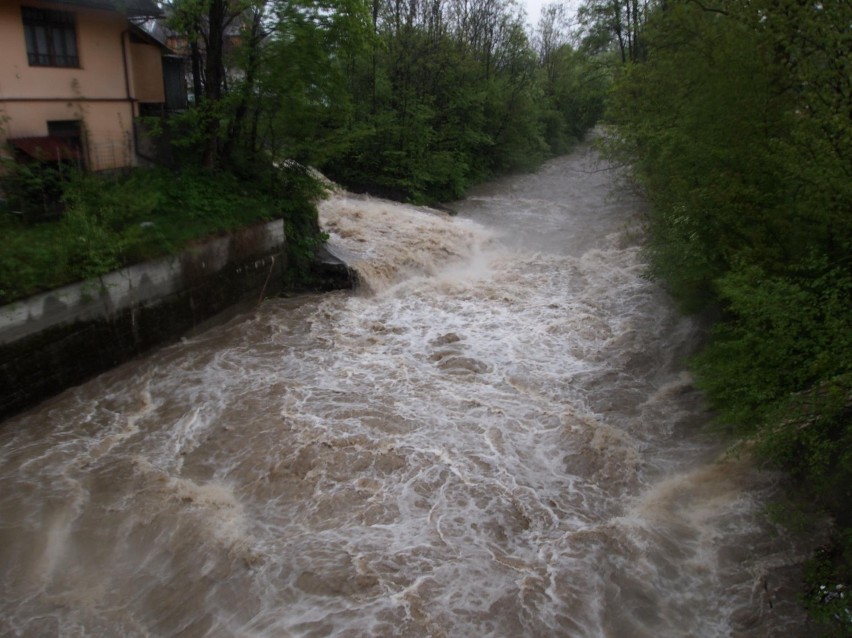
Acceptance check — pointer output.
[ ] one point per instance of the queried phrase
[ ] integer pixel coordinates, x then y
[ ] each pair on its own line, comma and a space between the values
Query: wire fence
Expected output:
108, 151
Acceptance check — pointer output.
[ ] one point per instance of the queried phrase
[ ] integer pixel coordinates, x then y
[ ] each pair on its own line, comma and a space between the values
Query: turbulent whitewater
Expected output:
495, 436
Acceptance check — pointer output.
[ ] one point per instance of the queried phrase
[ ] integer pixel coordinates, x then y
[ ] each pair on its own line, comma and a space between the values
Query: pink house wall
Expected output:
101, 92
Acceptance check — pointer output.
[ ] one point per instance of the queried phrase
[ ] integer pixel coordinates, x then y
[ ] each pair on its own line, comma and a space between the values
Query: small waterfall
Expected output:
387, 243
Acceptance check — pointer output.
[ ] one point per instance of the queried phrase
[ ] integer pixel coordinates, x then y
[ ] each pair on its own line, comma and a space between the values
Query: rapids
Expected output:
496, 436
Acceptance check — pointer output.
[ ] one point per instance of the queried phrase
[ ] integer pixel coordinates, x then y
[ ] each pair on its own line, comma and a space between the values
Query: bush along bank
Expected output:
739, 129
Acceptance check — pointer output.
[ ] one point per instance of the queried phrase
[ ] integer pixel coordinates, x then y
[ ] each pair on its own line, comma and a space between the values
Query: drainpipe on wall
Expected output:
136, 148
130, 98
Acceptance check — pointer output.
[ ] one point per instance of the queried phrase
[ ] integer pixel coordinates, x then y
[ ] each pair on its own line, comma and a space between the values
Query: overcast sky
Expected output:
533, 8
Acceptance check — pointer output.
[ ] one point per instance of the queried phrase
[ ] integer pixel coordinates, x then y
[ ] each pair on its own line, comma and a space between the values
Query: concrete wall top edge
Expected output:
134, 285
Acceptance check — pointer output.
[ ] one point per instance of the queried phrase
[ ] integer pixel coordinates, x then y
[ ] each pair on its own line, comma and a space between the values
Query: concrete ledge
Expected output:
329, 272
141, 284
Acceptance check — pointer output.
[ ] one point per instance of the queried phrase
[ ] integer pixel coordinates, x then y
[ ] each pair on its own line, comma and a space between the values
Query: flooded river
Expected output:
496, 436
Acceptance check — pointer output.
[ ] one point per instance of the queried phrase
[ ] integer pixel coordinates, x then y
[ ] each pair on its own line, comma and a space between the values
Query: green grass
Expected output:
111, 222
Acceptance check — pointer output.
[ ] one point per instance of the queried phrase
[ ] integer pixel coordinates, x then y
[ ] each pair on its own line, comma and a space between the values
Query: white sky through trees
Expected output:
533, 8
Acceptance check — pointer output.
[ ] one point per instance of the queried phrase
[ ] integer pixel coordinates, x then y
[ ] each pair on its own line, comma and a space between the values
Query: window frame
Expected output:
51, 38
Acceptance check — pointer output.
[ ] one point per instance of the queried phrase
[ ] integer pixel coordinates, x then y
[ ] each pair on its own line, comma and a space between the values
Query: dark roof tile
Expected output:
131, 8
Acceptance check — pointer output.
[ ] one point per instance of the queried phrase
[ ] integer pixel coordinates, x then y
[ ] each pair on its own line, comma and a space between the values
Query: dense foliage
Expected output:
452, 92
739, 124
414, 100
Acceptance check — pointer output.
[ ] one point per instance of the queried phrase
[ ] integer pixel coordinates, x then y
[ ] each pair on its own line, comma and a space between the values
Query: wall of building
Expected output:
101, 72
99, 93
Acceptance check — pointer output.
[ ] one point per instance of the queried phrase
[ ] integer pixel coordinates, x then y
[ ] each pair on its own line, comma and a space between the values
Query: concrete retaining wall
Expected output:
58, 339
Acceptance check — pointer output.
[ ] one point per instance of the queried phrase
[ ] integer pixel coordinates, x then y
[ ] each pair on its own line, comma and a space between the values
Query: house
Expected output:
76, 75
192, 47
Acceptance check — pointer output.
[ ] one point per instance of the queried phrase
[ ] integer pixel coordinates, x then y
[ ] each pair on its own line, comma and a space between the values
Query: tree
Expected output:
618, 22
206, 26
574, 83
739, 127
413, 99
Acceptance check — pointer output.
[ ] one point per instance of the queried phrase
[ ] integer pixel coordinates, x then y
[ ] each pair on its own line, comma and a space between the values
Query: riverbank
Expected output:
56, 339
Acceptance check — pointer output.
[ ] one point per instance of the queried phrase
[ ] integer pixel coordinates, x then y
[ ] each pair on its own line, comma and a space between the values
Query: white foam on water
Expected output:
388, 243
487, 440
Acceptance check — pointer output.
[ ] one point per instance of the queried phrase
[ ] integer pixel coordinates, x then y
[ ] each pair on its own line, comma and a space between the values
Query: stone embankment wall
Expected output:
58, 339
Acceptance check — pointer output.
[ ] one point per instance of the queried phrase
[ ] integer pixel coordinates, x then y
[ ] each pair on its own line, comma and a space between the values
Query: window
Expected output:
51, 37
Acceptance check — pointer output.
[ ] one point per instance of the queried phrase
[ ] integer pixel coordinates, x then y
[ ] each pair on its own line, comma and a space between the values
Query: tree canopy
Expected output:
737, 119
415, 99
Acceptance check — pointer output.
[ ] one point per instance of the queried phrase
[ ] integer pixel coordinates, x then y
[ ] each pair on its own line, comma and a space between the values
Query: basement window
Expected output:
51, 37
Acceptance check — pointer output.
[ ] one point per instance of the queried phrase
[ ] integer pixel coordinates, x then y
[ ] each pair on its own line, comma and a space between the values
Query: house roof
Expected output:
146, 36
131, 8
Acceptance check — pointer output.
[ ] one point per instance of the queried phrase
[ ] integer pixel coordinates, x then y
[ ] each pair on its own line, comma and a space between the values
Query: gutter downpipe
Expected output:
130, 99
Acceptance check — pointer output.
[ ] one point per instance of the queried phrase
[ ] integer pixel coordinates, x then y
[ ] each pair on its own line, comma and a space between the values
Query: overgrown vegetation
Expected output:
414, 100
112, 221
453, 92
737, 119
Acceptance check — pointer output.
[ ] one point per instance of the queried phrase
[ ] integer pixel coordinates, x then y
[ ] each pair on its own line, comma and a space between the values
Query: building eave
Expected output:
130, 8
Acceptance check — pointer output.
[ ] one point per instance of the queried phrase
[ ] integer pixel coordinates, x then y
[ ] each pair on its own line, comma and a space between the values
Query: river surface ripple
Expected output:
495, 437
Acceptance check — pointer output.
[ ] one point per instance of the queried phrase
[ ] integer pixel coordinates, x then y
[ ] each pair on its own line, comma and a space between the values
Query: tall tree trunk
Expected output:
374, 54
241, 111
637, 44
197, 84
618, 27
214, 75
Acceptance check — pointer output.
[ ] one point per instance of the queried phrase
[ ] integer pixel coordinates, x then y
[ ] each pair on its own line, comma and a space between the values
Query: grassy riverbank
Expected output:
113, 221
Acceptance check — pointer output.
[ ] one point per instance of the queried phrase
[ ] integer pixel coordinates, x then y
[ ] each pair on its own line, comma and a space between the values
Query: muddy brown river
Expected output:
496, 436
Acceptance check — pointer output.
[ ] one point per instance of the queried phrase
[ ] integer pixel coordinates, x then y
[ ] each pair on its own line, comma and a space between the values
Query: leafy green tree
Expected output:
574, 83
739, 127
208, 27
615, 23
414, 99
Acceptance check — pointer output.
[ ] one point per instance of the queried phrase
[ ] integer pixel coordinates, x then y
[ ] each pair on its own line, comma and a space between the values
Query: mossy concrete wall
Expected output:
58, 339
